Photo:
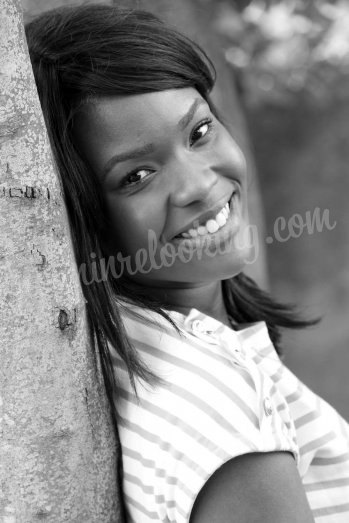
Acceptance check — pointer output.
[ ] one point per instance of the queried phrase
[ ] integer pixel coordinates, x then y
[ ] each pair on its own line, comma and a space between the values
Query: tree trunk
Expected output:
196, 19
58, 451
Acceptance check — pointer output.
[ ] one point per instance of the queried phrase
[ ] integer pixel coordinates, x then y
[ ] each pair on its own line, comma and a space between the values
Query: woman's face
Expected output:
168, 170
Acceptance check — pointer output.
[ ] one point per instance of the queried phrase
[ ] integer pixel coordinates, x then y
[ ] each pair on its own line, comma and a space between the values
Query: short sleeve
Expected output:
209, 409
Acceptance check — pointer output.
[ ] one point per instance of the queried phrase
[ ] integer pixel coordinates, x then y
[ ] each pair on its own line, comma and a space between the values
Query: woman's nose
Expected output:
192, 182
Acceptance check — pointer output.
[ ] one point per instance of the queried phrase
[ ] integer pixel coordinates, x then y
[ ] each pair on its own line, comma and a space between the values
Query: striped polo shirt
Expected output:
224, 393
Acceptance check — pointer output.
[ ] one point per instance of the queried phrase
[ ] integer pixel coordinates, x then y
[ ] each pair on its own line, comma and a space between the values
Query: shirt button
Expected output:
198, 326
268, 409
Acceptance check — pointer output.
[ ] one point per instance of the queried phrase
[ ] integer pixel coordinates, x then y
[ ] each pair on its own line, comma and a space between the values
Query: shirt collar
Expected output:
209, 329
250, 335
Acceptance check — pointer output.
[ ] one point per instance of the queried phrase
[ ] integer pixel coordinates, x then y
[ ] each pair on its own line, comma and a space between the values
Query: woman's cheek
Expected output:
134, 234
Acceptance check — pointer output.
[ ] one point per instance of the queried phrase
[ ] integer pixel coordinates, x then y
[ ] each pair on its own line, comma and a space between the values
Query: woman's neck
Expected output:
207, 298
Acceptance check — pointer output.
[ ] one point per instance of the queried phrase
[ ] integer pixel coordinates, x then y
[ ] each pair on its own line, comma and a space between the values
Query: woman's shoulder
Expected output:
179, 344
201, 381
206, 411
206, 368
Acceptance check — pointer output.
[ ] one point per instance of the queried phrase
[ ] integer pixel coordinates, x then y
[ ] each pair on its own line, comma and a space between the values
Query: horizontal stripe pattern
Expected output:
225, 393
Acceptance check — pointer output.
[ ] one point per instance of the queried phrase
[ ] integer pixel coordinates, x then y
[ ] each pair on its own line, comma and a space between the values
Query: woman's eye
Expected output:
203, 129
137, 176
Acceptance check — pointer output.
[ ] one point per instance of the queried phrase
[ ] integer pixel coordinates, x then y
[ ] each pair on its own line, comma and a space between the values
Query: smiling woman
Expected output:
205, 408
184, 160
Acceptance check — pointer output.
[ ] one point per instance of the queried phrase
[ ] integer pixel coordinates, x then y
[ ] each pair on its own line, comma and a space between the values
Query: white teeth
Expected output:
202, 230
193, 233
221, 219
211, 225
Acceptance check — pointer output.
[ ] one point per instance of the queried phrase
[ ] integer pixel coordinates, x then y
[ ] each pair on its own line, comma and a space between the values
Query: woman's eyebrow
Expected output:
127, 155
187, 118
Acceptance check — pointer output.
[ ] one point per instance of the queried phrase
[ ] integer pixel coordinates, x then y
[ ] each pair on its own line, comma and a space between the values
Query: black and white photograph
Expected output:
174, 261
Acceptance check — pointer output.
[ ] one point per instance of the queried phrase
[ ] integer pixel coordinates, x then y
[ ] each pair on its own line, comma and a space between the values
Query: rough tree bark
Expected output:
196, 19
58, 451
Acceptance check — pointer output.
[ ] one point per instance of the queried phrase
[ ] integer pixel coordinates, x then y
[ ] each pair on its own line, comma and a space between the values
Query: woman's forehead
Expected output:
112, 127
117, 115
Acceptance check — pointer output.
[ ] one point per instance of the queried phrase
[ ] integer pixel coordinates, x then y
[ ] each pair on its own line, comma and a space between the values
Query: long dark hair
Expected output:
92, 51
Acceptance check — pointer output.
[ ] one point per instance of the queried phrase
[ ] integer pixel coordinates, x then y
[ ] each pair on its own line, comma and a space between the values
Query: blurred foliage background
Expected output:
289, 61
289, 49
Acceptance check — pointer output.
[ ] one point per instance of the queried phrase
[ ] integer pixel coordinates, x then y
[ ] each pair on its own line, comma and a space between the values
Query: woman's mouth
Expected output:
210, 227
213, 226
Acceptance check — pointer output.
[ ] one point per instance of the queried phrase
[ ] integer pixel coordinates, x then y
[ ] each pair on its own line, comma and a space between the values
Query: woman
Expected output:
213, 426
